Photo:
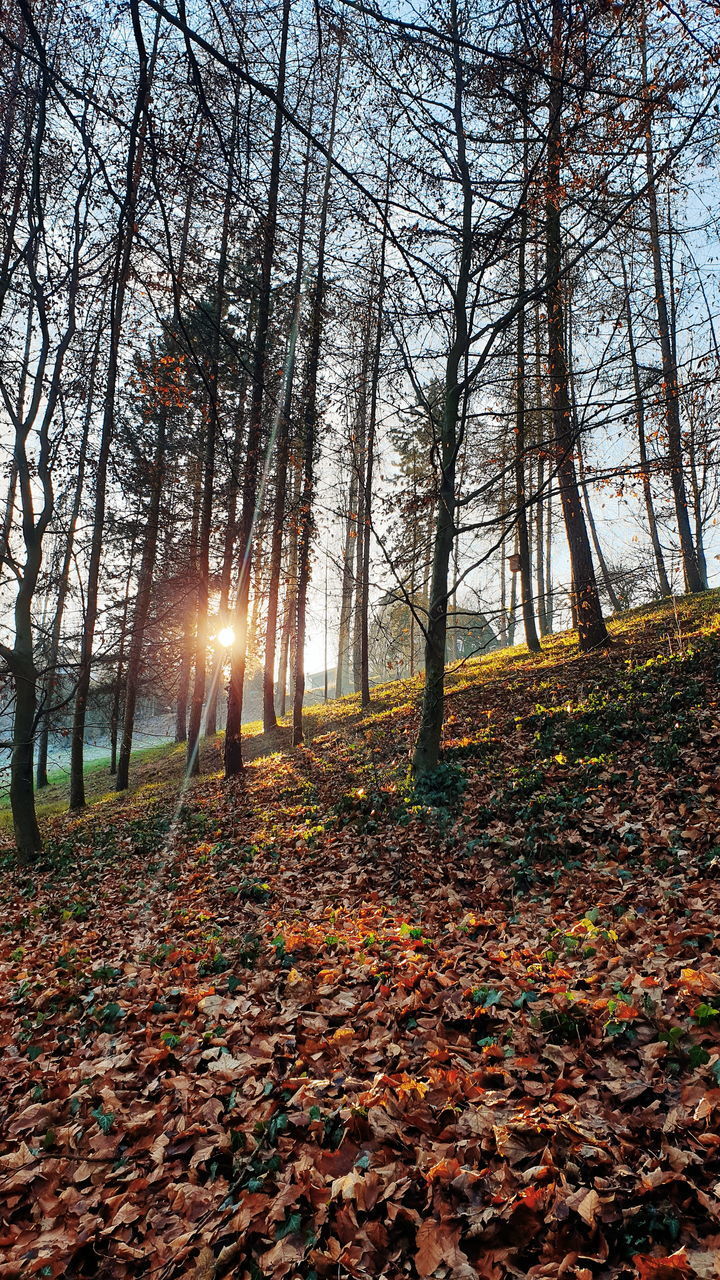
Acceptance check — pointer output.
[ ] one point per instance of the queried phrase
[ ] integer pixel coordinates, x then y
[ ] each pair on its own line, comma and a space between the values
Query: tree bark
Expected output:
523, 537
549, 592
512, 612
426, 755
28, 840
541, 495
370, 459
281, 470
287, 645
119, 673
189, 610
236, 687
310, 426
142, 603
120, 276
197, 700
230, 537
503, 619
35, 477
64, 578
212, 429
13, 477
691, 570
597, 546
663, 580
230, 532
591, 626
346, 600
360, 462
696, 491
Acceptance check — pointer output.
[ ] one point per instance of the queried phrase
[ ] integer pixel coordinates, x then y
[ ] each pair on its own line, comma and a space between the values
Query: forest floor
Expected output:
314, 1023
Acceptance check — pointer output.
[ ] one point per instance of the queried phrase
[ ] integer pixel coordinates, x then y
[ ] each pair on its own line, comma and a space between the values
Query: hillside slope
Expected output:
313, 1024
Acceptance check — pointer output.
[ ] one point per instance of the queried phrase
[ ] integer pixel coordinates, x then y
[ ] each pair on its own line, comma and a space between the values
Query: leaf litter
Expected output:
316, 1023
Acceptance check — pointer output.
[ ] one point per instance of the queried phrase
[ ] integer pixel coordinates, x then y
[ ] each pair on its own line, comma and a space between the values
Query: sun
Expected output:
225, 637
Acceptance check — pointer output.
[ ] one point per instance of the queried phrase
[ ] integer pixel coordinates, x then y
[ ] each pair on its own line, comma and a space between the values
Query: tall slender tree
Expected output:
309, 419
119, 277
520, 451
590, 623
671, 390
426, 754
253, 469
282, 461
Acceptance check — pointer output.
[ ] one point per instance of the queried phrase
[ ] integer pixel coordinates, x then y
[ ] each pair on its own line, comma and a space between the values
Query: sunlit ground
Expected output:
342, 1021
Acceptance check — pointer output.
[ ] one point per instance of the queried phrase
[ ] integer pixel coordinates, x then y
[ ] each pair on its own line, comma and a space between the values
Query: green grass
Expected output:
54, 798
664, 627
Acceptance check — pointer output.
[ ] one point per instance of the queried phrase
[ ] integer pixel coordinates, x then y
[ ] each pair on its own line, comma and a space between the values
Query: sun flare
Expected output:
226, 637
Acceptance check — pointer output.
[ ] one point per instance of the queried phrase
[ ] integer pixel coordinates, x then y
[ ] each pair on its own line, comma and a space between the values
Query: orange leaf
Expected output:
669, 1268
437, 1242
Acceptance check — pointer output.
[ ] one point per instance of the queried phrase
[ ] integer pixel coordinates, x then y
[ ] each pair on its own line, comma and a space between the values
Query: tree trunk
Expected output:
27, 832
64, 580
281, 471
120, 276
226, 568
177, 281
22, 665
118, 681
512, 613
142, 605
591, 626
413, 567
691, 570
549, 593
236, 687
7, 520
13, 477
227, 560
503, 618
287, 659
12, 203
212, 430
541, 496
188, 642
523, 537
360, 461
370, 459
696, 490
346, 599
426, 755
540, 548
258, 588
427, 747
599, 553
35, 478
197, 701
310, 427
572, 599
663, 580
